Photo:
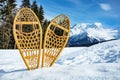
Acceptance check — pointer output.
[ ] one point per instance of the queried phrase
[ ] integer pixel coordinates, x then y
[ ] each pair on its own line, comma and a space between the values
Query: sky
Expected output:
106, 12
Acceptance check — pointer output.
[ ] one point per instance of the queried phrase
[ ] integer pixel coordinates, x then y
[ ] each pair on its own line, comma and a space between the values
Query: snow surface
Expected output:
98, 62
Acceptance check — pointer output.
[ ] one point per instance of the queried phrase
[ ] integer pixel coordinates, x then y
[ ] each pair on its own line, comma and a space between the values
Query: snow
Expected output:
107, 52
98, 24
86, 34
101, 34
95, 31
78, 29
98, 62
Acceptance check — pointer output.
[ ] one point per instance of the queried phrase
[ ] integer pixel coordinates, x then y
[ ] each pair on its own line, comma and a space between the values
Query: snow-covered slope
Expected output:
86, 33
107, 52
98, 62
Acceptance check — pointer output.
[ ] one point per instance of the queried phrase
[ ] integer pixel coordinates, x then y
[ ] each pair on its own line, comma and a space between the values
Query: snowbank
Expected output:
98, 62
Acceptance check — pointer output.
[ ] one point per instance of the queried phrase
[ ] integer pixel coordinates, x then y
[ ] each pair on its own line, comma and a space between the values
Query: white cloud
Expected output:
105, 7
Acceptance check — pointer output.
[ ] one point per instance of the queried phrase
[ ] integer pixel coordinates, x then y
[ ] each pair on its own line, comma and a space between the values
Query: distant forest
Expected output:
8, 10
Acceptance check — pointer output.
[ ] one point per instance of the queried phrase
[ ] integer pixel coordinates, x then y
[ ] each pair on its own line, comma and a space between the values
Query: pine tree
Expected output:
5, 37
25, 3
6, 16
44, 27
41, 14
34, 7
6, 8
38, 11
2, 10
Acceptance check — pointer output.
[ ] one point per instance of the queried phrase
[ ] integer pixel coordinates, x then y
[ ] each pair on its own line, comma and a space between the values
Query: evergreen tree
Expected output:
6, 8
6, 16
44, 27
34, 7
38, 11
25, 3
5, 37
2, 10
41, 14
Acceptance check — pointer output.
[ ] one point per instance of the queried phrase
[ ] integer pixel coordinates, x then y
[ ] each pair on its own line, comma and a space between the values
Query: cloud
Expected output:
105, 7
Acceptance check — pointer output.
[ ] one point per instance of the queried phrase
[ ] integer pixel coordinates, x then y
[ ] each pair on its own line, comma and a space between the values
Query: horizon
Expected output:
83, 11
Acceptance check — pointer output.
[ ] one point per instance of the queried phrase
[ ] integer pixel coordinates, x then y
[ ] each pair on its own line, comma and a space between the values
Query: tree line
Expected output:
8, 10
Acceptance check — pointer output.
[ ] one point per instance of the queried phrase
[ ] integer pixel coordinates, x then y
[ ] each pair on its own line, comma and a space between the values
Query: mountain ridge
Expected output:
83, 34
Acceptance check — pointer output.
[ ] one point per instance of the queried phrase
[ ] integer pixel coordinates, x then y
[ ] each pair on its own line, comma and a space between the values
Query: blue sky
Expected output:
84, 11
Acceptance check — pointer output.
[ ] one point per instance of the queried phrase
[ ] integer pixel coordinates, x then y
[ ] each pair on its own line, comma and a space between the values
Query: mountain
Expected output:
86, 34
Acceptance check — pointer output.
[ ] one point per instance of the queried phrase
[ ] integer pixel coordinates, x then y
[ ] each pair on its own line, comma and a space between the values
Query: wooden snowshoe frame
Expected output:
56, 38
27, 33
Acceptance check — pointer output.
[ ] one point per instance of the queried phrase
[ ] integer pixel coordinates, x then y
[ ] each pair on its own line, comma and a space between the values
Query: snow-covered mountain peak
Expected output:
86, 34
98, 25
95, 30
101, 34
80, 26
